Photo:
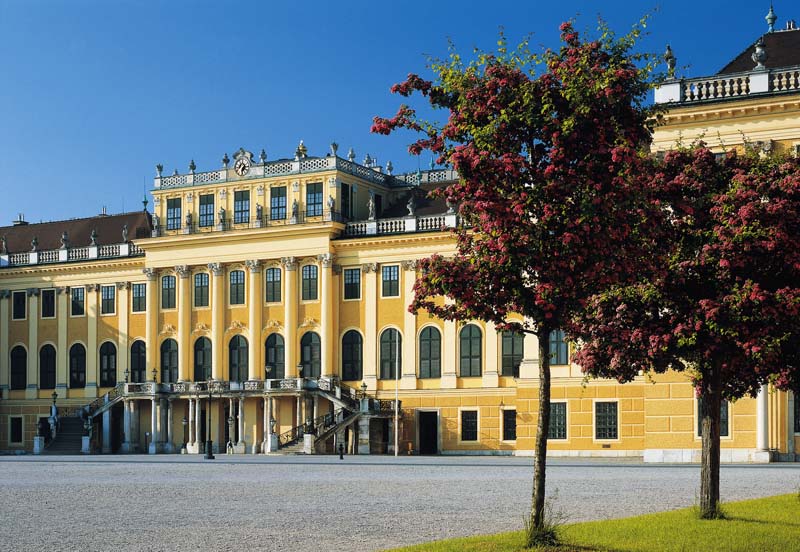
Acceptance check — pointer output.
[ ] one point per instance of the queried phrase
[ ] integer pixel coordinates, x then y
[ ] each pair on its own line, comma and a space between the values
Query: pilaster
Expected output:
491, 376
371, 344
92, 318
449, 365
123, 293
254, 302
151, 321
184, 321
290, 314
62, 354
5, 372
32, 388
326, 328
217, 319
408, 376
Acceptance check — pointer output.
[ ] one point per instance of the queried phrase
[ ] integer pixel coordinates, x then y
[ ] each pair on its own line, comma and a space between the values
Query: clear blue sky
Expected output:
95, 93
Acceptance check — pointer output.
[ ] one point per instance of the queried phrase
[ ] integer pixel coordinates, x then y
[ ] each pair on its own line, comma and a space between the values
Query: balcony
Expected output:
70, 254
731, 86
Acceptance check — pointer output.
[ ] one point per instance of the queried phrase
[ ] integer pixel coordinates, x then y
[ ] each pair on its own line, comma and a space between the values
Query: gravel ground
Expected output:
322, 503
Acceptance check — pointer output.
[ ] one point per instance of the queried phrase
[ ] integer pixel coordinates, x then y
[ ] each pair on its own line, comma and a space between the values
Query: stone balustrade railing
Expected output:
68, 254
723, 87
429, 223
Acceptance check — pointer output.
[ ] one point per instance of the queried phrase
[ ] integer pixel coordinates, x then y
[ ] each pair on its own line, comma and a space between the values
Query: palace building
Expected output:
262, 308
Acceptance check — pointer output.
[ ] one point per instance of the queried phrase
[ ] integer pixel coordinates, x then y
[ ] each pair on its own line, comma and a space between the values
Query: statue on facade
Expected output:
451, 209
188, 219
259, 212
93, 237
294, 208
221, 215
3, 246
411, 205
371, 206
156, 221
124, 233
35, 244
331, 203
64, 240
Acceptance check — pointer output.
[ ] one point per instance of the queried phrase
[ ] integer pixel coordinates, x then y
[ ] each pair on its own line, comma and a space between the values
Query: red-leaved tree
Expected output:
726, 307
552, 192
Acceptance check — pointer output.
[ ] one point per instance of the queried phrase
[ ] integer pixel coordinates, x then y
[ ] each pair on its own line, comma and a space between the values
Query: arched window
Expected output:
138, 362
391, 356
169, 361
77, 366
47, 367
19, 367
274, 355
352, 354
430, 353
202, 359
512, 353
310, 355
237, 355
470, 347
108, 365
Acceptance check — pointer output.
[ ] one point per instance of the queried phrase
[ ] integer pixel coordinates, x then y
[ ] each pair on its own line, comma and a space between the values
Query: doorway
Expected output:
428, 432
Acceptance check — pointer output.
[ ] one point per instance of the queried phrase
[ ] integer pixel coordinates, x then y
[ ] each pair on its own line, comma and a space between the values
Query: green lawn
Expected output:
753, 526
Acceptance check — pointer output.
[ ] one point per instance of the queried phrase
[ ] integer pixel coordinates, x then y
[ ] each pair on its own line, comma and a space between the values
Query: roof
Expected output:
79, 231
783, 50
425, 205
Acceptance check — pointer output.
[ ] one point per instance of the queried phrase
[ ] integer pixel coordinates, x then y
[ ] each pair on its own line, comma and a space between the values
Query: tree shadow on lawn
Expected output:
761, 521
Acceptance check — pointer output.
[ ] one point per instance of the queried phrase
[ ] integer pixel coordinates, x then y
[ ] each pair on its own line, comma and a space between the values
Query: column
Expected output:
124, 337
169, 447
134, 438
62, 354
254, 303
370, 366
92, 318
408, 375
153, 426
217, 319
5, 371
197, 427
790, 421
191, 424
231, 421
290, 314
315, 414
326, 328
32, 390
106, 431
491, 377
126, 425
151, 321
184, 321
529, 368
762, 419
449, 366
241, 422
265, 425
298, 418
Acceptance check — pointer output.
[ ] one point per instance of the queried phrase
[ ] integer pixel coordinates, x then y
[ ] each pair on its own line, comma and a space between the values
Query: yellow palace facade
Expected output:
261, 309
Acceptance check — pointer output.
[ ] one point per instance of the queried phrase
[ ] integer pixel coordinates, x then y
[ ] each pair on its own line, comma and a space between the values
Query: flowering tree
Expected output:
726, 309
551, 191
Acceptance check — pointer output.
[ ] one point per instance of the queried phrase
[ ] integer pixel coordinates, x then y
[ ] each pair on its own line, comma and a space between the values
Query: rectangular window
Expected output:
108, 299
174, 213
469, 425
309, 292
723, 418
509, 425
20, 302
206, 210
201, 289
241, 206
273, 285
48, 303
15, 433
314, 199
139, 293
352, 283
605, 420
559, 350
512, 353
390, 276
78, 301
237, 287
168, 292
558, 421
344, 199
277, 203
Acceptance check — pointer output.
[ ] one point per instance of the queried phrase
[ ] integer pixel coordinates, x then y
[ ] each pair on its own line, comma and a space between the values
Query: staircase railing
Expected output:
315, 427
98, 403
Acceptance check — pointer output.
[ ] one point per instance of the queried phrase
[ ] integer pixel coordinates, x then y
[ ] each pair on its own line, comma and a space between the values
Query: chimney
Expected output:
791, 25
21, 221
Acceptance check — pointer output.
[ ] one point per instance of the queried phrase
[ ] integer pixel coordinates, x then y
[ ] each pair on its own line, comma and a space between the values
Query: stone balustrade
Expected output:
69, 254
723, 87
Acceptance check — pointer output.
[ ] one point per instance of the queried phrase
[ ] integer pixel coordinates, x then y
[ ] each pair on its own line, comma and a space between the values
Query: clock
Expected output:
242, 166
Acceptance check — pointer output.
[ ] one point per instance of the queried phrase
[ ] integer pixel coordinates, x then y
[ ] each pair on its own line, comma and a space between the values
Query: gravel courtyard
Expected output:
322, 503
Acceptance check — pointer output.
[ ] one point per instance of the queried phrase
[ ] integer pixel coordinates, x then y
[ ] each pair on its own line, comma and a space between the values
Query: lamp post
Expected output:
155, 373
396, 391
267, 370
209, 443
300, 370
55, 396
127, 374
185, 423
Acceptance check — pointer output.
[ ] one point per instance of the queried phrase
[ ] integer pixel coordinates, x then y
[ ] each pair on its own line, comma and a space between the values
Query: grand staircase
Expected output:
68, 438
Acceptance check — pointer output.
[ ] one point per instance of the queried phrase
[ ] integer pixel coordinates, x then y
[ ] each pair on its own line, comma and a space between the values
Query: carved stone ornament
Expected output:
289, 263
366, 268
150, 274
216, 268
253, 265
123, 285
168, 329
33, 292
260, 190
337, 269
156, 201
326, 259
94, 287
61, 290
4, 293
201, 328
236, 326
409, 265
309, 323
272, 324
190, 197
182, 271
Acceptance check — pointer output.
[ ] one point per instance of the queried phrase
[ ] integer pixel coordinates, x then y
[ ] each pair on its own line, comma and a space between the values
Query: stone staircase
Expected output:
68, 439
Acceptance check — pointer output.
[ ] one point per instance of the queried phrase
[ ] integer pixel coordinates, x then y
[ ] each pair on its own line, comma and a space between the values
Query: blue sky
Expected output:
95, 93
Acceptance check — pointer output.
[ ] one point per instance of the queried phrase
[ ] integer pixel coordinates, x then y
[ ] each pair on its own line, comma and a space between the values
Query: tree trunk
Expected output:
538, 532
710, 419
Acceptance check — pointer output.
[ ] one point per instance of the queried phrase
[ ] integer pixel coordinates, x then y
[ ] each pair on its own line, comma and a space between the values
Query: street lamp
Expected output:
268, 369
185, 423
55, 396
209, 442
155, 373
300, 370
127, 374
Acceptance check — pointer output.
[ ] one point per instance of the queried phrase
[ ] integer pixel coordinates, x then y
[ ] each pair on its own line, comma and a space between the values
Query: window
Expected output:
723, 418
78, 301
139, 293
206, 210
48, 303
470, 341
352, 283
277, 203
202, 359
430, 353
237, 287
390, 275
237, 356
509, 425
19, 367
201, 290
169, 361
15, 433
378, 205
352, 355
605, 420
513, 350
469, 425
138, 362
344, 200
168, 292
558, 420
174, 213
47, 367
77, 366
309, 283
19, 305
391, 343
273, 285
108, 365
274, 349
108, 296
241, 206
559, 350
314, 199
310, 355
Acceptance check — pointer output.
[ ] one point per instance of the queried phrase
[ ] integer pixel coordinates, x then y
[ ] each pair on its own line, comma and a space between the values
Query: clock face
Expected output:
242, 166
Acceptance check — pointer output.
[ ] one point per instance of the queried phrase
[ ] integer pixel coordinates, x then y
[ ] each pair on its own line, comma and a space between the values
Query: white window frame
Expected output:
71, 315
114, 312
503, 423
360, 283
55, 304
478, 429
13, 294
566, 425
399, 282
696, 422
594, 420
